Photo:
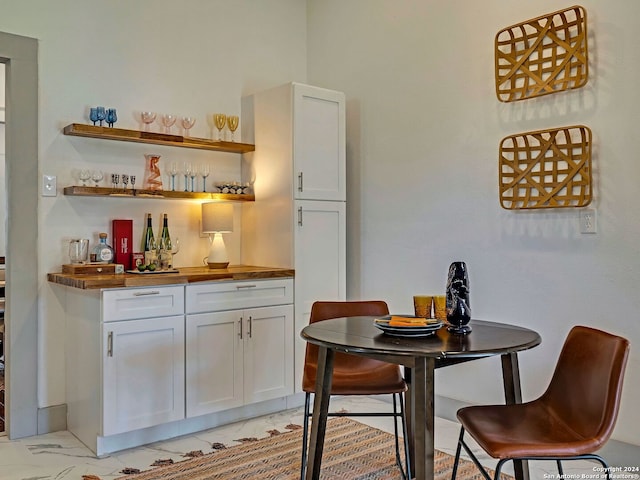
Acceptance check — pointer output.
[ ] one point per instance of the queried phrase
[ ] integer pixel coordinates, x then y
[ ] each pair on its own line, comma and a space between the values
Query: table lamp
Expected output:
217, 218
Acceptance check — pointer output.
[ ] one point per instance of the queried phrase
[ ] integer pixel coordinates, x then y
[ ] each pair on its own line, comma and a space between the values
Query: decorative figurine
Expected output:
458, 306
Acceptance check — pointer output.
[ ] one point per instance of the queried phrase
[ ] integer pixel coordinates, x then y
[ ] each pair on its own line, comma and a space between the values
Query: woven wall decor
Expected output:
543, 55
546, 169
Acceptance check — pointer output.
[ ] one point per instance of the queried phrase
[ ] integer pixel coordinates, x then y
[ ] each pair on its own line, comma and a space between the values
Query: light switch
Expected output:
49, 186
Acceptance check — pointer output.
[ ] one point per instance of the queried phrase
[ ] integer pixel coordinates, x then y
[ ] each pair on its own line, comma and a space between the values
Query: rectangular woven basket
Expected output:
546, 169
543, 55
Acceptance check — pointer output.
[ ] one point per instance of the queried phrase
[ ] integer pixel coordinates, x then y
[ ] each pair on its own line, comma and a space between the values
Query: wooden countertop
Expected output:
184, 275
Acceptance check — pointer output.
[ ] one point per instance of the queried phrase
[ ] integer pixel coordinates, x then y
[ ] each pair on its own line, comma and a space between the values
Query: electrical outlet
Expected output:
588, 220
49, 186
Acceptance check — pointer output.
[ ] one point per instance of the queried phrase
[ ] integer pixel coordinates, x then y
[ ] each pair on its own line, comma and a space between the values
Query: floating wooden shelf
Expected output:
121, 134
86, 191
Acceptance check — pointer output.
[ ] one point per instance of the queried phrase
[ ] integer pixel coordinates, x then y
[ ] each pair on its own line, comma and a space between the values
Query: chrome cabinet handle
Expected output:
299, 216
240, 322
300, 182
143, 294
110, 344
239, 287
250, 326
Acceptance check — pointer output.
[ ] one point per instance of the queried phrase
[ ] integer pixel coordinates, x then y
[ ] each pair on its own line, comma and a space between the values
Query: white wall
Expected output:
424, 127
193, 57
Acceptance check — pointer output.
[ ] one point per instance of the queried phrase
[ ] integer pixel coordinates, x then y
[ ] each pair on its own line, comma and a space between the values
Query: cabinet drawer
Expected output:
147, 302
212, 297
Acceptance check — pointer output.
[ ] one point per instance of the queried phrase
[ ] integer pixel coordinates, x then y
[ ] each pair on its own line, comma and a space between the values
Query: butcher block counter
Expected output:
183, 276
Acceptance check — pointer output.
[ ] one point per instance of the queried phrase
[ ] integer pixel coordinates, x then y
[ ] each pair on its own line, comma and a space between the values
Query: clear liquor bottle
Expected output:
102, 252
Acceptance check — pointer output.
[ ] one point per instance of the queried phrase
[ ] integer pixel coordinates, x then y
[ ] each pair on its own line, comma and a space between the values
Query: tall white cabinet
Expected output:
298, 171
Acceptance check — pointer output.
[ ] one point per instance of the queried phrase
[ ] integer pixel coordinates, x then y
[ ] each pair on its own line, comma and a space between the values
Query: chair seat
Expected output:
371, 377
523, 430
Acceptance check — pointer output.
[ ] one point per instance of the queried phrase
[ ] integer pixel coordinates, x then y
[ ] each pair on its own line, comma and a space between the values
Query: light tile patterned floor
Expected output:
60, 456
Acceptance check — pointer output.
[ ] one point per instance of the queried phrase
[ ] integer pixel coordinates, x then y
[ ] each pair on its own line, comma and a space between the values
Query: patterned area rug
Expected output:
352, 451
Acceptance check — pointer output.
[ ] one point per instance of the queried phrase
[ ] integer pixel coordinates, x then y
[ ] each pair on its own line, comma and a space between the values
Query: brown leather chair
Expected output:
572, 419
355, 375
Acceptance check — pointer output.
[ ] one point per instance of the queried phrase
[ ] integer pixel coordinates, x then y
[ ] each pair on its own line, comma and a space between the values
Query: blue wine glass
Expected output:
112, 117
102, 114
93, 115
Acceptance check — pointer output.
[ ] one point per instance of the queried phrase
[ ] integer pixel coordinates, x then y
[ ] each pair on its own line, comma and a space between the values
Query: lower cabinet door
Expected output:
268, 366
214, 349
143, 373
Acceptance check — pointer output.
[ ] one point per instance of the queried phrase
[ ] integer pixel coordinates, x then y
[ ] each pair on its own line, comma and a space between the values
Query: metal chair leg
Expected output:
403, 419
559, 463
454, 471
305, 434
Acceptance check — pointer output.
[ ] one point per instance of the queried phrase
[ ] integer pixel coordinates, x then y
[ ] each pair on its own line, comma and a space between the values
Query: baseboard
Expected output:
52, 419
615, 452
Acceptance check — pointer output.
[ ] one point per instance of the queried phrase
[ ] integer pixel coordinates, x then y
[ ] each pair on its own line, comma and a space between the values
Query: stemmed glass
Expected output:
232, 123
132, 178
96, 176
187, 123
101, 114
93, 115
115, 180
187, 173
204, 173
168, 120
125, 181
220, 120
147, 118
84, 175
173, 171
193, 175
112, 117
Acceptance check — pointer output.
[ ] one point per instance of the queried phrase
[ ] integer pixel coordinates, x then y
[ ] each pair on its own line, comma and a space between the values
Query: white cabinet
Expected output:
143, 373
239, 356
124, 362
298, 219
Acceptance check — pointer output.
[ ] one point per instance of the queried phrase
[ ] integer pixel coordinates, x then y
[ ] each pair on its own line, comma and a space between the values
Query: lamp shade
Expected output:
217, 217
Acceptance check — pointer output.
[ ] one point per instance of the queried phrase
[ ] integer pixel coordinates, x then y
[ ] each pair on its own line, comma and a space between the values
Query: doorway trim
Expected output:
20, 56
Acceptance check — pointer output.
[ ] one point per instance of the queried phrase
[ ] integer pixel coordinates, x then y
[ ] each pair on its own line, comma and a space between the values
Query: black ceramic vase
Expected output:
458, 306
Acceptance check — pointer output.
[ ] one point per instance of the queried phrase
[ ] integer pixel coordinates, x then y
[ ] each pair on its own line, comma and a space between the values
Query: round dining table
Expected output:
420, 355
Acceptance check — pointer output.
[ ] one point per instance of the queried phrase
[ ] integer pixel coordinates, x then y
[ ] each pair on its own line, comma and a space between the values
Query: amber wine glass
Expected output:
232, 123
220, 120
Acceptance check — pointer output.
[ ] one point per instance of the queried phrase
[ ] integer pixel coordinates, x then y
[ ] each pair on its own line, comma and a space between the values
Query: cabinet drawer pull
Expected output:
143, 294
240, 287
300, 182
110, 344
240, 322
300, 216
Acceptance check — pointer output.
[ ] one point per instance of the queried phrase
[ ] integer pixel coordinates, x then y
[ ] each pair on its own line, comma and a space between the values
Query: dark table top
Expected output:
360, 335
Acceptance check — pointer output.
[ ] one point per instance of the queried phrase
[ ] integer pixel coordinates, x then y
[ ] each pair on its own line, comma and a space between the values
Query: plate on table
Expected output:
419, 330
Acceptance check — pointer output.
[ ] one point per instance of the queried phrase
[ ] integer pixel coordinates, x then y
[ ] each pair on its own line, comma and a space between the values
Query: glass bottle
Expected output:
165, 247
102, 252
149, 244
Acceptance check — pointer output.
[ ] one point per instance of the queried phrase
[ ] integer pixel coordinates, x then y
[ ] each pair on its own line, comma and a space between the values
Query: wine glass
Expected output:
168, 120
97, 176
93, 114
125, 180
173, 171
204, 173
187, 123
193, 175
187, 169
84, 175
232, 123
132, 178
220, 120
147, 118
101, 114
112, 117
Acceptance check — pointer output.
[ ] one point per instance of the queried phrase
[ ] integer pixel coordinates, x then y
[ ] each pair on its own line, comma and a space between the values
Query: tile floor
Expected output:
60, 456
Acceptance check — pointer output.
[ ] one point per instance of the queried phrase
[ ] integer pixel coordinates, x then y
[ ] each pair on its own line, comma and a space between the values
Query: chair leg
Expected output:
403, 472
559, 463
454, 472
305, 434
461, 444
405, 437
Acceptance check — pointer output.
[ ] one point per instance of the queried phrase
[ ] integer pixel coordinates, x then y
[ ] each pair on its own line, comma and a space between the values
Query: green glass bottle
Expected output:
149, 244
165, 246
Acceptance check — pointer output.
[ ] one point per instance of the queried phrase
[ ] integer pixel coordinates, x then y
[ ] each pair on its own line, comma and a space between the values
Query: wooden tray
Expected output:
543, 55
546, 169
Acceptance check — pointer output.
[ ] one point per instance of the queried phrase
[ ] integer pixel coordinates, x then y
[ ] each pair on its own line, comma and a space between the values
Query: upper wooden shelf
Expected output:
110, 133
86, 191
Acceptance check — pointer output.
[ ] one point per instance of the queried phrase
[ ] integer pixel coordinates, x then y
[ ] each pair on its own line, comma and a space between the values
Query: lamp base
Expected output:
218, 265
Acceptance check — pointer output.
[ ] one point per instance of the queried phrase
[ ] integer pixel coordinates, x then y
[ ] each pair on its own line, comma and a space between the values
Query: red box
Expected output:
122, 241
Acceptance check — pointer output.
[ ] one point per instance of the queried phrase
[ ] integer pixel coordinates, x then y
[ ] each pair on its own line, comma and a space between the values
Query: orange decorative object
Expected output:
546, 169
543, 55
152, 176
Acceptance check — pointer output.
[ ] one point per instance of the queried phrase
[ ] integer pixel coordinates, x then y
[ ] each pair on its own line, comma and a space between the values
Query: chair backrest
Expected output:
328, 310
586, 386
